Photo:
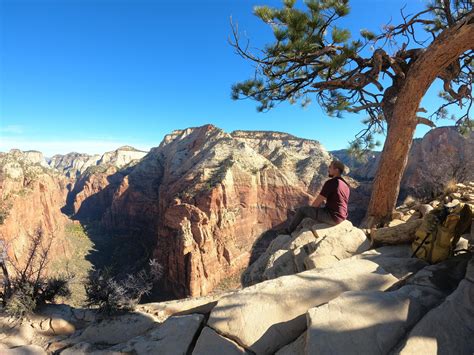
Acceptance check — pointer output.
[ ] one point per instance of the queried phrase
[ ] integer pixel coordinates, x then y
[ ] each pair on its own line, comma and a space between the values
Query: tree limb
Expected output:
425, 121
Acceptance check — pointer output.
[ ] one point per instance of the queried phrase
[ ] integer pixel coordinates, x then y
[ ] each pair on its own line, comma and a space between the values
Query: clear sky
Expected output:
91, 75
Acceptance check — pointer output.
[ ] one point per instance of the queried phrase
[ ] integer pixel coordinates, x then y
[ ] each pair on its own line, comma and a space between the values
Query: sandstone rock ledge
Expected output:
380, 301
313, 245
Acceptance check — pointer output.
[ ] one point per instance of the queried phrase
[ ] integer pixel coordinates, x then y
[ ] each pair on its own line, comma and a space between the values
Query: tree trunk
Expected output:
400, 234
444, 50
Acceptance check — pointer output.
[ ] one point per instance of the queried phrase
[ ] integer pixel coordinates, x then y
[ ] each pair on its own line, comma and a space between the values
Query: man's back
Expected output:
337, 192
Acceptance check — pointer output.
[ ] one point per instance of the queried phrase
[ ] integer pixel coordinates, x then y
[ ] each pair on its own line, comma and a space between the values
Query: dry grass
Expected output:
450, 187
229, 283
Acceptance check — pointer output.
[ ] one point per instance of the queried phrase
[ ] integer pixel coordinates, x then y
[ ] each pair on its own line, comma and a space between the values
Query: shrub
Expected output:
29, 288
4, 212
450, 187
112, 296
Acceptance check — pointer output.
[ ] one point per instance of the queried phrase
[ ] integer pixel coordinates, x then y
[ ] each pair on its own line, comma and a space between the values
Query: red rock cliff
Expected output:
204, 197
31, 197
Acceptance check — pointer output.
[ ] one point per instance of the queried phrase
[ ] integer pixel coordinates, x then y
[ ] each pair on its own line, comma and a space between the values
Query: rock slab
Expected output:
269, 315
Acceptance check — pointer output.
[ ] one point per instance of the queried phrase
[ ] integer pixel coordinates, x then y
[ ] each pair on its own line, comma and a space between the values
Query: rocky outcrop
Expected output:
443, 154
31, 198
266, 316
121, 157
209, 341
380, 301
304, 162
378, 320
204, 196
313, 245
449, 327
73, 164
93, 191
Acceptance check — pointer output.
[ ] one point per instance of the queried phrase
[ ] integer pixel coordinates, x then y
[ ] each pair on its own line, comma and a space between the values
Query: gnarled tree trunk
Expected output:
443, 51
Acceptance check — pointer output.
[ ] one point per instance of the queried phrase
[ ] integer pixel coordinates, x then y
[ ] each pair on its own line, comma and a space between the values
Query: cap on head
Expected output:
339, 165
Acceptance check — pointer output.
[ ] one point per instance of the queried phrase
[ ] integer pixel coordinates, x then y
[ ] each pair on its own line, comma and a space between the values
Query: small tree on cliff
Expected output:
312, 58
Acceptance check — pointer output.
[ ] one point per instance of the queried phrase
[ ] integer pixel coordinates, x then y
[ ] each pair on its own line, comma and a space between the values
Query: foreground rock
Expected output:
25, 350
447, 329
210, 342
266, 316
334, 244
315, 245
374, 322
173, 337
200, 305
116, 330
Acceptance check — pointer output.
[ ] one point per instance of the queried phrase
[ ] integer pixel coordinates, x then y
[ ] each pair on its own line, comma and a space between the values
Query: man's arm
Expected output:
322, 195
319, 200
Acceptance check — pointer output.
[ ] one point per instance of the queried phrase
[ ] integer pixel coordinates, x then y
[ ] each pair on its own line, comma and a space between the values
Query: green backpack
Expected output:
440, 231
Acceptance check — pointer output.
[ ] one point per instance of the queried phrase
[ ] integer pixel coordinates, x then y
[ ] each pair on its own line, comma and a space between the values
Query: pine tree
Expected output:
313, 59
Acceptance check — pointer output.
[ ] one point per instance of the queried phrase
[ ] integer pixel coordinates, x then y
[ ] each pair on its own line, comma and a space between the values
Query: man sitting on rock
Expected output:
335, 193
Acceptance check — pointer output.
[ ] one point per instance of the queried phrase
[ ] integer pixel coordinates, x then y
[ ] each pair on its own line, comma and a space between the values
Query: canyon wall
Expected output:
204, 196
31, 198
201, 201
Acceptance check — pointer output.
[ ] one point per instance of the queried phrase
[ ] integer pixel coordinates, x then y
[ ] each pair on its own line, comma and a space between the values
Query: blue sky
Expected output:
91, 75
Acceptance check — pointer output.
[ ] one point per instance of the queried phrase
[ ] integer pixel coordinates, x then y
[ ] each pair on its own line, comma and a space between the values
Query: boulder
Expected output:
163, 310
296, 347
15, 335
85, 315
335, 243
269, 315
116, 330
424, 209
61, 326
280, 263
79, 348
367, 322
254, 272
324, 244
447, 329
173, 337
394, 259
210, 342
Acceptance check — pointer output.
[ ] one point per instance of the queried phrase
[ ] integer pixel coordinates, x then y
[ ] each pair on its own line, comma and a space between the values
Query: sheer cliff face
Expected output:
94, 178
31, 197
204, 196
443, 154
73, 164
200, 201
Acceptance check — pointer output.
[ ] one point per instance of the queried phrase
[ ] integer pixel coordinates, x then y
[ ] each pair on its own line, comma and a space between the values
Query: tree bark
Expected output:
400, 234
445, 49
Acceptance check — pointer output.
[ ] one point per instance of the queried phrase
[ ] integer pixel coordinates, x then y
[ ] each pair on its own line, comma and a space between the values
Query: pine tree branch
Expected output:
425, 121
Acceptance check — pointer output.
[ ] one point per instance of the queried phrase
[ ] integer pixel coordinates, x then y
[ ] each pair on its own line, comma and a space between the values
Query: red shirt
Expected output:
336, 191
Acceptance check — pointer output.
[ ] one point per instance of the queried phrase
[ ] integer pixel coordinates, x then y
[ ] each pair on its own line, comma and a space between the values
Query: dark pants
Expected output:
319, 214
